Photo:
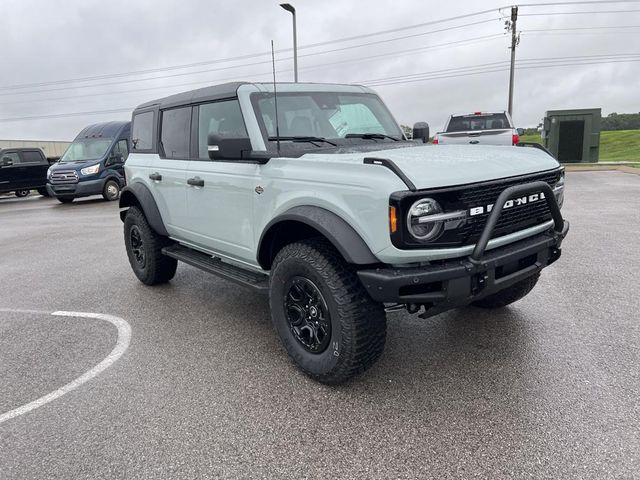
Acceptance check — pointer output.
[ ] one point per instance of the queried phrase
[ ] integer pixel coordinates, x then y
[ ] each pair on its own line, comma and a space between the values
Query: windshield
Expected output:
322, 115
483, 121
87, 149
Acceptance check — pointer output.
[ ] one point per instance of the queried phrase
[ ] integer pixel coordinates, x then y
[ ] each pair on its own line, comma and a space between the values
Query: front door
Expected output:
9, 171
220, 197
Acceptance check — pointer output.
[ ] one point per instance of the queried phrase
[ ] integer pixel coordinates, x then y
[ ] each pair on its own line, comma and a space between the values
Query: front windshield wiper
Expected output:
303, 139
368, 136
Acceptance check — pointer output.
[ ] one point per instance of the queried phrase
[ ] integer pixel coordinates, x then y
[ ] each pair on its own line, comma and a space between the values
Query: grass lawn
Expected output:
619, 145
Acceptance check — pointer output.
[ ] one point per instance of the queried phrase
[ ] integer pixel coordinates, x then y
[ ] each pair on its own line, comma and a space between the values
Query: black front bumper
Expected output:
448, 284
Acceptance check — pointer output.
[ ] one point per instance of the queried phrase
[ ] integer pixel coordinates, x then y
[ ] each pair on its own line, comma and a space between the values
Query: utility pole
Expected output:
515, 40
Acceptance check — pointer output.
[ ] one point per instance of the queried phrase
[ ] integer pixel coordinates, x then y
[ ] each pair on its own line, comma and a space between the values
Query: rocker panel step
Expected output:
247, 278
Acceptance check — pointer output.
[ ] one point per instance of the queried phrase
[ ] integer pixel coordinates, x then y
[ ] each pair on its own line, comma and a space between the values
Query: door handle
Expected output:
474, 142
155, 176
195, 182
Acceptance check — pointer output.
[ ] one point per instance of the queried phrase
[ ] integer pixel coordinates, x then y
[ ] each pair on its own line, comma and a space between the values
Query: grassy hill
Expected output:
619, 145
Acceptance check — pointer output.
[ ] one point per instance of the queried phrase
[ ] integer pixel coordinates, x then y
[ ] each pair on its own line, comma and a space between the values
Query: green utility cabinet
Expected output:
573, 136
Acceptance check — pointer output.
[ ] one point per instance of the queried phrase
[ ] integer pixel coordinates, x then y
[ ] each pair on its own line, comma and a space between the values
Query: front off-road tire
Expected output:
327, 322
510, 294
144, 249
65, 199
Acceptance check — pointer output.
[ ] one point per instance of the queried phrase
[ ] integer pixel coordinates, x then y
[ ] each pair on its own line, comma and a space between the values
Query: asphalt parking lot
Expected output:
548, 388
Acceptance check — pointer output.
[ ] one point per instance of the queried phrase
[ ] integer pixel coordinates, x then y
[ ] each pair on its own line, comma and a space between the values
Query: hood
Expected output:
434, 166
74, 165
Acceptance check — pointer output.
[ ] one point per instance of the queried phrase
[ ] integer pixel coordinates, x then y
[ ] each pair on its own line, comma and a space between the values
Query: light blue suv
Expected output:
332, 212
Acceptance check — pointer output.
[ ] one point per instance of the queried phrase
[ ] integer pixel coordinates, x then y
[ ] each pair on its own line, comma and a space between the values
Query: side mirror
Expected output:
7, 161
520, 131
228, 148
421, 131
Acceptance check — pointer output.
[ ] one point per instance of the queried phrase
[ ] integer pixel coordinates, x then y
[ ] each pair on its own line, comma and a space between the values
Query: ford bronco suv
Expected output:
326, 207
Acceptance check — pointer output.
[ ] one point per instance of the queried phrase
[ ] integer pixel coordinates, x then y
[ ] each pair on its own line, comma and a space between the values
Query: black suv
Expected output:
23, 170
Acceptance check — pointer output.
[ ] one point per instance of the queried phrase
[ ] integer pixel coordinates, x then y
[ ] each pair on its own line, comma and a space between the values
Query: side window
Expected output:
176, 132
222, 118
15, 158
32, 156
121, 148
142, 131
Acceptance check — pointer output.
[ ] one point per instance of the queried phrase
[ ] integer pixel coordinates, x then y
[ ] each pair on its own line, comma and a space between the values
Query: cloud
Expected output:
48, 41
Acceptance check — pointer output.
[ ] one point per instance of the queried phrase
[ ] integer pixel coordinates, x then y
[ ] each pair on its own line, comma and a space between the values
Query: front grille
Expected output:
467, 197
63, 177
510, 220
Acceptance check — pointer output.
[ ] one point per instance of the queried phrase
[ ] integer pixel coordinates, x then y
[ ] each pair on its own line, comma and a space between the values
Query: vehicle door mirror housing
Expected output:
421, 131
228, 148
7, 161
520, 131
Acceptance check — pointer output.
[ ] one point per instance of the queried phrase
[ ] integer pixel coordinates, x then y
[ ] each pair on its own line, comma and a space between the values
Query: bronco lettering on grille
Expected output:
515, 202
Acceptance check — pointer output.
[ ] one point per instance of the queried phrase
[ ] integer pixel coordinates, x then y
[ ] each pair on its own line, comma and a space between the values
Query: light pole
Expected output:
290, 8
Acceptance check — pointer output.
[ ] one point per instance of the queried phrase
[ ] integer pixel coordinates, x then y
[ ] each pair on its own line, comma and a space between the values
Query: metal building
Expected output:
51, 149
573, 136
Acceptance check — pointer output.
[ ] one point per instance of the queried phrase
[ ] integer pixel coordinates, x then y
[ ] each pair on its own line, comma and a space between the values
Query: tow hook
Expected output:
479, 282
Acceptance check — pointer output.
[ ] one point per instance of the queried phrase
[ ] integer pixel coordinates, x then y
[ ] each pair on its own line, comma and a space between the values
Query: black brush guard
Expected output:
444, 285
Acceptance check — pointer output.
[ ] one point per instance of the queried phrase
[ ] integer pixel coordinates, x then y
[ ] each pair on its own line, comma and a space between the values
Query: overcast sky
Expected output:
45, 41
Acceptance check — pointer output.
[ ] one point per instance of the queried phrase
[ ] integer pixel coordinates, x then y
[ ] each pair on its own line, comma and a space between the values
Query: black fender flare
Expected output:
139, 194
334, 228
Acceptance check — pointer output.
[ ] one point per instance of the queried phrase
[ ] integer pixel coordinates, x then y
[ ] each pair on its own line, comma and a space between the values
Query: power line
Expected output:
497, 69
488, 68
137, 80
576, 13
65, 115
539, 60
249, 56
314, 45
396, 53
580, 28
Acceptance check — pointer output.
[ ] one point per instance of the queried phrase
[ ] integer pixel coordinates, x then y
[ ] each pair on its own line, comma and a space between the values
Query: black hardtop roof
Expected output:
216, 92
105, 129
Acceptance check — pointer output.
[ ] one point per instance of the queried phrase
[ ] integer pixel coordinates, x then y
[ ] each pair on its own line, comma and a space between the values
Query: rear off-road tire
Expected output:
144, 249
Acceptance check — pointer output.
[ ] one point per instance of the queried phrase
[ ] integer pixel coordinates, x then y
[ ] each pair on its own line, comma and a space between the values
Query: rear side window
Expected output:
142, 131
176, 132
222, 118
490, 121
30, 156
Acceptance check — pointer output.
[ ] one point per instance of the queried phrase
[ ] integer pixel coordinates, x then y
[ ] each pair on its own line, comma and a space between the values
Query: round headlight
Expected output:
418, 222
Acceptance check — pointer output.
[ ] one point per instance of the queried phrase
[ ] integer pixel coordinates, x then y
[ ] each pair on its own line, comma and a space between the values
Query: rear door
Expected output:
35, 168
168, 169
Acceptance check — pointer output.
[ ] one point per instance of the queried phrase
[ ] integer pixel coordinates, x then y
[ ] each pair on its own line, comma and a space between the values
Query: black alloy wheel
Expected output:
307, 314
137, 246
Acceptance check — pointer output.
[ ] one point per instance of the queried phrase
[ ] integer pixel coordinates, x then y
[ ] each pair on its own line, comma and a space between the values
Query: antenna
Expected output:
275, 97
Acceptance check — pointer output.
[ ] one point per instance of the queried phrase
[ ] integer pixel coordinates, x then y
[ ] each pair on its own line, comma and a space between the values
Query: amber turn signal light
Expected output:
393, 220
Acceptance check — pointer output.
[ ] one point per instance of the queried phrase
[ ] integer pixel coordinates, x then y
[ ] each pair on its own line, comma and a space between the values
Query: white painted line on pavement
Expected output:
124, 337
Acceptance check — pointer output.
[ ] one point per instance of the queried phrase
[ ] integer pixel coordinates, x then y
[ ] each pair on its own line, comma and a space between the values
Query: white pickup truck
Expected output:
479, 128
